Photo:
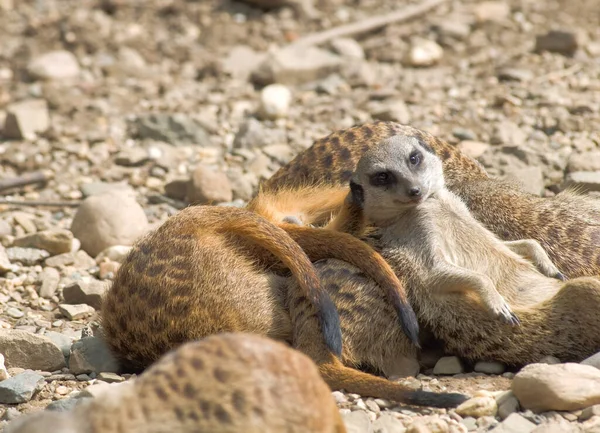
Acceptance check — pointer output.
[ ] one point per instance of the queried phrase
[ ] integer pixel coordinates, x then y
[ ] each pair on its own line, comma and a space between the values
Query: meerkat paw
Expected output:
503, 310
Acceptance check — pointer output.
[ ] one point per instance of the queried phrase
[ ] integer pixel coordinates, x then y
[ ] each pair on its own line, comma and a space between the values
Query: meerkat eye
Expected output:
381, 178
415, 157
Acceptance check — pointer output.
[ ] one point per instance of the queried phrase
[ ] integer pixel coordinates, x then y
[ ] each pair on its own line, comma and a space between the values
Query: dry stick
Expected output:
5, 201
25, 179
368, 24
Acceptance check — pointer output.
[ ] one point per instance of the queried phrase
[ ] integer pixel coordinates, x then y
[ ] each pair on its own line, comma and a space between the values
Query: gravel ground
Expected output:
147, 106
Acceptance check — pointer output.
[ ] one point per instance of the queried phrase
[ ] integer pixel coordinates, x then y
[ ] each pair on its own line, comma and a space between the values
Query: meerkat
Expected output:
227, 383
186, 281
567, 226
428, 232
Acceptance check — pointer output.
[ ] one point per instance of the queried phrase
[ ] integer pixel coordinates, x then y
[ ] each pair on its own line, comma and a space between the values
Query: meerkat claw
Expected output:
560, 276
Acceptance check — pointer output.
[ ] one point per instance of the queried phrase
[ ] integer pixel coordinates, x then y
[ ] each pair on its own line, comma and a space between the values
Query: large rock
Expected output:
55, 241
25, 350
544, 387
20, 388
111, 218
296, 65
85, 291
90, 354
55, 65
26, 118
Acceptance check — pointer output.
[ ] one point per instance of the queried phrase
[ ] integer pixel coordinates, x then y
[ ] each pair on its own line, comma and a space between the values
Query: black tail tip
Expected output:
330, 325
409, 323
434, 399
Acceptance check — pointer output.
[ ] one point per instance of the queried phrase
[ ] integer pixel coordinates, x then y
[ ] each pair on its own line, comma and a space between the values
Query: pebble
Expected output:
544, 387
241, 61
478, 407
110, 377
33, 351
91, 355
590, 412
514, 423
56, 241
491, 11
50, 278
26, 256
75, 311
176, 129
394, 111
208, 186
490, 367
275, 100
585, 161
26, 118
470, 423
339, 397
115, 253
65, 404
424, 52
507, 404
473, 148
530, 178
96, 188
99, 225
557, 41
253, 134
448, 365
86, 291
387, 423
54, 65
20, 388
357, 422
14, 312
3, 371
61, 340
5, 265
583, 181
549, 360
296, 65
348, 47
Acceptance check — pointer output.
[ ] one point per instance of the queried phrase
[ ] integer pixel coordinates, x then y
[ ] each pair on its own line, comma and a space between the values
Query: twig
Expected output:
555, 75
40, 203
368, 24
23, 180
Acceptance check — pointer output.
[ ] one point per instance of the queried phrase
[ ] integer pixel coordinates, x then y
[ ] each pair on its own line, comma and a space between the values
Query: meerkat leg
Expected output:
531, 250
449, 278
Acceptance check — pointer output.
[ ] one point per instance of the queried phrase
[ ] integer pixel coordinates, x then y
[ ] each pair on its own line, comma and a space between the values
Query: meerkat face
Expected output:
398, 173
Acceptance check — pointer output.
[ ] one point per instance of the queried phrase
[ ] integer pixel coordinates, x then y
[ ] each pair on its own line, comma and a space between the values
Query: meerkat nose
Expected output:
414, 191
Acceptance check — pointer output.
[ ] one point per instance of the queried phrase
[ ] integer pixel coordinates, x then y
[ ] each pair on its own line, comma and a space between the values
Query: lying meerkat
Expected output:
227, 383
567, 225
197, 275
428, 234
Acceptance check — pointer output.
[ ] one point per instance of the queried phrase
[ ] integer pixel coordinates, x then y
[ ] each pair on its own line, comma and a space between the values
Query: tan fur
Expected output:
567, 226
446, 255
186, 281
229, 383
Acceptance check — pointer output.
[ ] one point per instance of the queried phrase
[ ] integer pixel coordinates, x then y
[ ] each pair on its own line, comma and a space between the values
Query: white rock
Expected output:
347, 47
75, 312
544, 387
26, 118
424, 52
491, 11
478, 407
275, 101
3, 372
448, 365
357, 422
55, 65
116, 253
490, 367
387, 423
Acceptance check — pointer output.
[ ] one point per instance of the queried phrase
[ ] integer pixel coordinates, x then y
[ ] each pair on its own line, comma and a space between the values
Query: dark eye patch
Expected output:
415, 158
382, 178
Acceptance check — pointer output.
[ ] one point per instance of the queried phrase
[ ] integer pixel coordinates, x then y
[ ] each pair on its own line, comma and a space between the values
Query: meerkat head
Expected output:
398, 173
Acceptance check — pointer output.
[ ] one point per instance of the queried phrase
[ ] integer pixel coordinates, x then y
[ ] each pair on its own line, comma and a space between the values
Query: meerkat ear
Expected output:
357, 192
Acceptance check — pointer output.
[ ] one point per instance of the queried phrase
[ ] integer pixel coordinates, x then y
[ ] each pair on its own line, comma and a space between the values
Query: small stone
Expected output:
26, 256
11, 413
372, 406
514, 423
509, 133
478, 407
570, 386
428, 424
347, 47
491, 11
593, 360
111, 218
83, 377
586, 161
339, 397
20, 388
50, 278
5, 265
27, 350
132, 157
56, 241
387, 423
207, 186
61, 390
448, 365
282, 153
583, 181
530, 178
63, 341
96, 188
55, 65
253, 134
3, 371
108, 270
296, 65
490, 367
85, 291
357, 422
514, 74
177, 189
549, 360
76, 311
558, 42
26, 118
116, 253
470, 423
589, 412
473, 148
14, 312
395, 111
275, 100
176, 129
95, 390
507, 404
64, 405
110, 377
241, 61
424, 52
91, 355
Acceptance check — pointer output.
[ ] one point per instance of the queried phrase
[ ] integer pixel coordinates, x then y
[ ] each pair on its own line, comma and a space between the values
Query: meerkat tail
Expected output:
274, 239
323, 244
339, 376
